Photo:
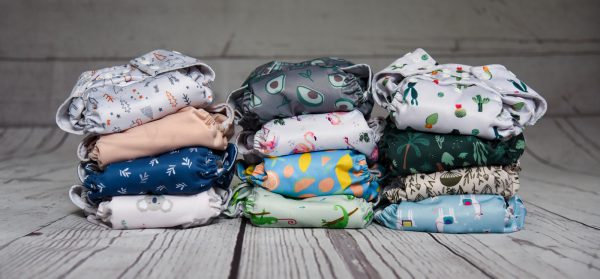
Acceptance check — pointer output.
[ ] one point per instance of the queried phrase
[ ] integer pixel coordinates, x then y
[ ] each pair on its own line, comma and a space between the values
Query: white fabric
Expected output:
311, 132
149, 211
485, 101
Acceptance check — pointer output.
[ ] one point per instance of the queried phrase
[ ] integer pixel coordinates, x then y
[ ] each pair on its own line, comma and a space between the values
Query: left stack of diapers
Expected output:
156, 151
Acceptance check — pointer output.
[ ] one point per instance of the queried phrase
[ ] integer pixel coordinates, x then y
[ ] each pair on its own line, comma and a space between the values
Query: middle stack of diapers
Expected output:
451, 145
156, 153
308, 151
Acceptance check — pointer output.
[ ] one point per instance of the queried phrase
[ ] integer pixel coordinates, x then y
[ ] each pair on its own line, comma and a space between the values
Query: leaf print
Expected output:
171, 170
186, 99
431, 120
413, 141
161, 188
100, 187
279, 121
520, 144
153, 162
180, 186
125, 106
124, 172
187, 162
193, 149
463, 155
439, 140
518, 106
122, 191
447, 159
143, 178
307, 75
519, 85
479, 153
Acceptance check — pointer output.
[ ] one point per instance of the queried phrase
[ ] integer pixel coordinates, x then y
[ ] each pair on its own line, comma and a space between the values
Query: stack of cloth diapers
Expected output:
156, 152
451, 145
306, 144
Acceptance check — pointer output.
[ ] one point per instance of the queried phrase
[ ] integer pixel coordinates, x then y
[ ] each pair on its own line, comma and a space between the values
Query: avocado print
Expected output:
414, 95
519, 85
309, 97
344, 104
256, 101
460, 112
480, 102
275, 85
431, 120
337, 80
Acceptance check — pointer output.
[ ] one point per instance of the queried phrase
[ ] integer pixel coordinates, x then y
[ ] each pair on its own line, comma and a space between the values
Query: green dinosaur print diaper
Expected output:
268, 209
409, 152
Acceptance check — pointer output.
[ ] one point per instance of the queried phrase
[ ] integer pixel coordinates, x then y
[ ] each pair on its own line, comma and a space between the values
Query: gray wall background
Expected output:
553, 45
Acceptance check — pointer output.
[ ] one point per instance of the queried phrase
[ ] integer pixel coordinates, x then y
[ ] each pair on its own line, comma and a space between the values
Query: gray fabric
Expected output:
281, 89
150, 87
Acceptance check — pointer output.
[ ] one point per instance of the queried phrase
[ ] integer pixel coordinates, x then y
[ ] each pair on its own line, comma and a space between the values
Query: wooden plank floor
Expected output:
43, 235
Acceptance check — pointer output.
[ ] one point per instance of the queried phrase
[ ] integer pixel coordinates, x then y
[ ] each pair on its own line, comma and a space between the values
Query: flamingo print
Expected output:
333, 118
268, 146
304, 148
347, 141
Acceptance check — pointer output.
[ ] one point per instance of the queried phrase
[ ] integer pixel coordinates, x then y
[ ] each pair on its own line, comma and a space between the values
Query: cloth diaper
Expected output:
211, 127
185, 171
313, 174
268, 209
150, 87
147, 211
281, 89
456, 214
489, 180
483, 101
311, 132
411, 152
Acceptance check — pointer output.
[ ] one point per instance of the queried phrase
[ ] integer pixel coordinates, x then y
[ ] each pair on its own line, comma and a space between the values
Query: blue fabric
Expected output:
456, 214
185, 171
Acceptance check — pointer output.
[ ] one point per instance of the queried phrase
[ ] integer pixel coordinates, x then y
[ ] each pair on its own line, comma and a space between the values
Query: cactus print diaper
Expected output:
184, 171
410, 152
489, 180
309, 133
456, 214
268, 209
281, 89
150, 87
306, 175
483, 101
146, 211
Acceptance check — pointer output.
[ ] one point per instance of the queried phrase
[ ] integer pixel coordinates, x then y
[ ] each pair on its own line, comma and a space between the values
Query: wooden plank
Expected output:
549, 247
572, 94
375, 252
74, 248
67, 29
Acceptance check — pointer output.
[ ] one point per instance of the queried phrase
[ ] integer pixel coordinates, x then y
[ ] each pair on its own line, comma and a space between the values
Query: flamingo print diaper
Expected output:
184, 171
336, 172
150, 87
484, 101
268, 209
147, 211
311, 132
281, 89
456, 214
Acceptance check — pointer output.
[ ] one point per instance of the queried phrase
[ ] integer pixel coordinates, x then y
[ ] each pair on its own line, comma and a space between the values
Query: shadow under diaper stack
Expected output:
156, 151
452, 144
307, 145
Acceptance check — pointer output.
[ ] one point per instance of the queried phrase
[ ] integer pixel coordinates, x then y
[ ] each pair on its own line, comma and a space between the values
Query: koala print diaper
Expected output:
281, 89
150, 87
456, 214
149, 211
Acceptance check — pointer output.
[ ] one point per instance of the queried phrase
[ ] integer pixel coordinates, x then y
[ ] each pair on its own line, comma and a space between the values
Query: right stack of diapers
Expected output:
156, 153
452, 145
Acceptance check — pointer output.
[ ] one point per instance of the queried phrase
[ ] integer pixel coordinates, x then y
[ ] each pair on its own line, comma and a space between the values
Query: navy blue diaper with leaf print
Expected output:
185, 171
